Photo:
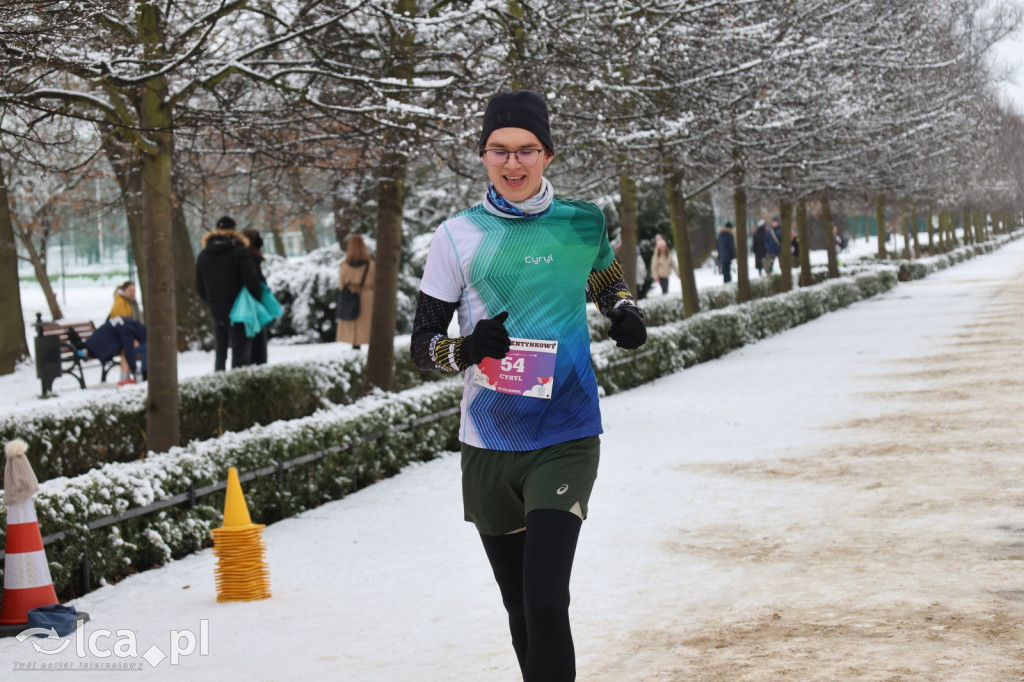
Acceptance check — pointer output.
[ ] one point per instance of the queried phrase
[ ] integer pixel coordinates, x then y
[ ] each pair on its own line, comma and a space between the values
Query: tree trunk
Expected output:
904, 220
277, 234
786, 247
881, 227
125, 162
830, 240
13, 344
628, 230
36, 258
739, 198
968, 236
380, 359
43, 277
307, 227
684, 251
913, 233
804, 237
931, 231
195, 325
156, 122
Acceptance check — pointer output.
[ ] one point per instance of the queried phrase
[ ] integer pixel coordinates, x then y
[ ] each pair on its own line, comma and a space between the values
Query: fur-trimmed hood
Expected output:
223, 236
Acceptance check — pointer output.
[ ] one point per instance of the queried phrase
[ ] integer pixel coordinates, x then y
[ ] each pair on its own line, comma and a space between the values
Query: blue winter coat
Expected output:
726, 245
773, 245
115, 335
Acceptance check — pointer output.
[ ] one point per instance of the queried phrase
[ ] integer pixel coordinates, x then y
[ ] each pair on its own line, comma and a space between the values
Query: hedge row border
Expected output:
93, 522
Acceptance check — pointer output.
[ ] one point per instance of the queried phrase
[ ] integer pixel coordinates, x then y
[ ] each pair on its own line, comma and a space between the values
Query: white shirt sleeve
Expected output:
442, 275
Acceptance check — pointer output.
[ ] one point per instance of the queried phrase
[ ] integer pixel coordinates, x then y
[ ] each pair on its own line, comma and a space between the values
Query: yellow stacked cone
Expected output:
242, 574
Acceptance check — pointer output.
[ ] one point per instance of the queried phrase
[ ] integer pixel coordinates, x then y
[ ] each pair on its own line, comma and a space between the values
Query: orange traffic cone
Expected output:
27, 583
242, 574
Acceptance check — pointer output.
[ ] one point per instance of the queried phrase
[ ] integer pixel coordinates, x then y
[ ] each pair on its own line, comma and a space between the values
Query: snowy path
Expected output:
843, 501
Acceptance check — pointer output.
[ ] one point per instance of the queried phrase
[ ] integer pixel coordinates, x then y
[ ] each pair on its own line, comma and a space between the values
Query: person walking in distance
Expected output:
759, 245
356, 272
663, 263
223, 267
517, 268
772, 246
726, 250
258, 348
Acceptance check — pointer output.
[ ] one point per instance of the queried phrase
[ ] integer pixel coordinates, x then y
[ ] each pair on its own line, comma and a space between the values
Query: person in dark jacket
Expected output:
258, 355
120, 335
773, 246
223, 267
726, 250
759, 245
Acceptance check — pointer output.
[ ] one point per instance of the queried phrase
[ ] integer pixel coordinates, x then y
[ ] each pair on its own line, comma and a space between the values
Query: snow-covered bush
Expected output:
112, 428
666, 309
713, 334
360, 443
307, 289
70, 441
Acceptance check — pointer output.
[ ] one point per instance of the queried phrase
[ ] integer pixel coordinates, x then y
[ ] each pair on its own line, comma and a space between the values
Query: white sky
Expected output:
1010, 52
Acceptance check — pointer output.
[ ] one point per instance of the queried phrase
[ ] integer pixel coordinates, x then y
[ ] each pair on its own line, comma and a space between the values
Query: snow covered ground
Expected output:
839, 502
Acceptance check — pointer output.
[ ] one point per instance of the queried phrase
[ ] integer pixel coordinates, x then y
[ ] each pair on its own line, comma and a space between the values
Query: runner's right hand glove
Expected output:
488, 340
628, 328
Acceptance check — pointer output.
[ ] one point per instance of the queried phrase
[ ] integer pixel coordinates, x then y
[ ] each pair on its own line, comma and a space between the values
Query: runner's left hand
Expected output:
628, 328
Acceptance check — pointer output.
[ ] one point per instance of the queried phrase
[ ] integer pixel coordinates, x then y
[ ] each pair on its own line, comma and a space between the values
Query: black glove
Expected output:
628, 328
488, 340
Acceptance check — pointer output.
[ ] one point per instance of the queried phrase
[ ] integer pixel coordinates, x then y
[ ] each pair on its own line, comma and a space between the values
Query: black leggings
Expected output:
532, 569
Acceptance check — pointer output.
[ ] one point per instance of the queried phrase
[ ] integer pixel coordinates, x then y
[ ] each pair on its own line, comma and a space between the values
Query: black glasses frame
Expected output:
486, 154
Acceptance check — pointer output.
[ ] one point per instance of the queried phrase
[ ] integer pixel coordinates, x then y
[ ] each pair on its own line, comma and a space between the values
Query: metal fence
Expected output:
192, 494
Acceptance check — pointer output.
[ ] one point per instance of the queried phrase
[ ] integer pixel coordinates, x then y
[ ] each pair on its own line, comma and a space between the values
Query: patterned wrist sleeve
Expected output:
446, 353
608, 288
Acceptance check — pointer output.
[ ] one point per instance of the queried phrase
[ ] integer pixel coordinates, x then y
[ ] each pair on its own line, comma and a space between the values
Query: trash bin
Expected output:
48, 366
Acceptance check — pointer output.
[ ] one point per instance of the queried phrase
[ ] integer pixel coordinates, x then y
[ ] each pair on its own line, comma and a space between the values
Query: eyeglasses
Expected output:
499, 157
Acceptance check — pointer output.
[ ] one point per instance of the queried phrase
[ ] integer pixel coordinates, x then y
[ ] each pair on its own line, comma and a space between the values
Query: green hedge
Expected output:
710, 335
666, 309
71, 441
68, 441
387, 422
69, 505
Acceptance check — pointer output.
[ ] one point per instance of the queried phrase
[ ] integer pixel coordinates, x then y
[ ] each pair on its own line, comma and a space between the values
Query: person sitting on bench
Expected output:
120, 334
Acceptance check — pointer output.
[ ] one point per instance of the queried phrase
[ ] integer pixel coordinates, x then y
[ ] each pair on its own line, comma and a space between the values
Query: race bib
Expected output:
528, 369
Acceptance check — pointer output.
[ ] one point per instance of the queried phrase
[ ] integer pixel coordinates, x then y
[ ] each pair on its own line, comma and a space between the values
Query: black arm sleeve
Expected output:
431, 346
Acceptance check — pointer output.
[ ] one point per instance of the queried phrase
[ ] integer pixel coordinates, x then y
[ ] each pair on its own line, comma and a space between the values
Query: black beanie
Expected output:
524, 109
226, 223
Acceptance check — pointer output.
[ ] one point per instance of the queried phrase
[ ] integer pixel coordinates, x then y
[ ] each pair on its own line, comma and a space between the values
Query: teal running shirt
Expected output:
537, 270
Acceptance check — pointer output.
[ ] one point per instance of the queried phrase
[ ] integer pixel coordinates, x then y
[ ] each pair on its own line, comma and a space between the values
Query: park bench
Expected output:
72, 349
